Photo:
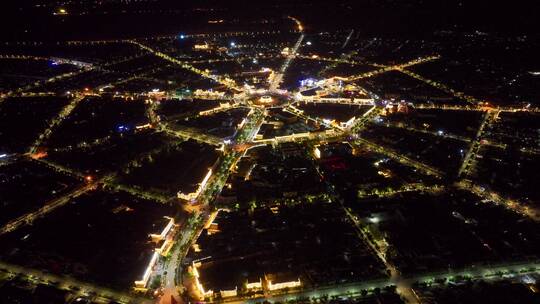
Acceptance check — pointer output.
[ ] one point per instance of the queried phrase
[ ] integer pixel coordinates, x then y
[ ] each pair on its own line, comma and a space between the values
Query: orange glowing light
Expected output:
38, 155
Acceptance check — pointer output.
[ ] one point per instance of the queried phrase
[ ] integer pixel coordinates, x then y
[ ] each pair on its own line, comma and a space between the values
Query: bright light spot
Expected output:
3, 155
182, 36
233, 44
88, 178
528, 280
308, 82
374, 220
440, 132
317, 152
308, 43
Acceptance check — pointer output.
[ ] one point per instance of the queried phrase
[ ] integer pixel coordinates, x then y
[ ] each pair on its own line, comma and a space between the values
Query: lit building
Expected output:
282, 285
403, 107
254, 285
286, 51
209, 94
266, 99
221, 107
204, 46
193, 195
200, 287
348, 123
228, 293
213, 228
159, 237
142, 127
141, 284
165, 238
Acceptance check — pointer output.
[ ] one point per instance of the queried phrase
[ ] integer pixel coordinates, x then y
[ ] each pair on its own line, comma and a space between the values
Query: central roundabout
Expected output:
269, 99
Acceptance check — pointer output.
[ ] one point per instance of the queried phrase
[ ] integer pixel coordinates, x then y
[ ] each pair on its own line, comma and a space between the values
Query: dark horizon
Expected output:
272, 152
25, 21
